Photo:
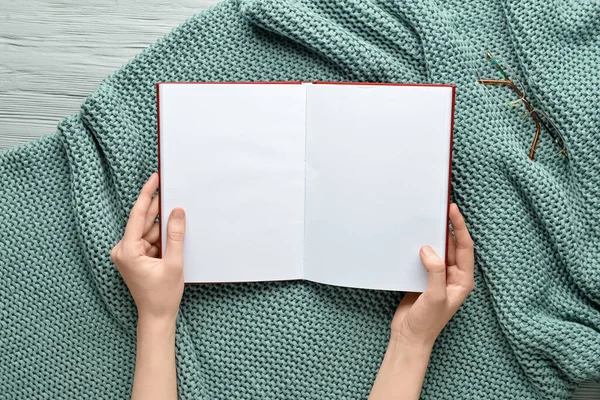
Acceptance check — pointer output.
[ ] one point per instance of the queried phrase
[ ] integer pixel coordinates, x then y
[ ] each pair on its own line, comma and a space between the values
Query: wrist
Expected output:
413, 351
402, 370
156, 324
423, 342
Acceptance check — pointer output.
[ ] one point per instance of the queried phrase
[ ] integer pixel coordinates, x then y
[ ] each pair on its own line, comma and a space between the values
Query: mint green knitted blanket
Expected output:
530, 329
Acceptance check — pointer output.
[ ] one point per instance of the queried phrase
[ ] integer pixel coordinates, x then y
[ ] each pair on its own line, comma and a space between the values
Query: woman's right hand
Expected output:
420, 317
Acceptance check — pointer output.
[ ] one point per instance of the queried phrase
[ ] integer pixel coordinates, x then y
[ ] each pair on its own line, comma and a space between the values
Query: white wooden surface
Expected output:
53, 53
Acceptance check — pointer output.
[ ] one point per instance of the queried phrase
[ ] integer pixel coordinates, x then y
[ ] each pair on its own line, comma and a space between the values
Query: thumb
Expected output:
175, 235
436, 274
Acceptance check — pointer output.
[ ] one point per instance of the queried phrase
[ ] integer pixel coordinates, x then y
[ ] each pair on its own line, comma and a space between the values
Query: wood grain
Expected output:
53, 53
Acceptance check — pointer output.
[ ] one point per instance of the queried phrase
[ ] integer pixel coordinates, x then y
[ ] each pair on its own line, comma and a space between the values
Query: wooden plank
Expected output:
56, 52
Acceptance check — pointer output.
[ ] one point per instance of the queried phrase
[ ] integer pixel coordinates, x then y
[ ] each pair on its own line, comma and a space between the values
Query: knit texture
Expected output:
530, 329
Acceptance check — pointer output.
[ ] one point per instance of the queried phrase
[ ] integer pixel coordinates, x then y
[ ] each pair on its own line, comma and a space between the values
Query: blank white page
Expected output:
232, 155
377, 162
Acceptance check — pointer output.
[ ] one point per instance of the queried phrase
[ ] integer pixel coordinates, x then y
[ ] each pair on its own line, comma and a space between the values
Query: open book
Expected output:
330, 182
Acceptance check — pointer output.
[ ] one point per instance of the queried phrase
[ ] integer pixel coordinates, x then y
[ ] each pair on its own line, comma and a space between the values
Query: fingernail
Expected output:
427, 250
178, 214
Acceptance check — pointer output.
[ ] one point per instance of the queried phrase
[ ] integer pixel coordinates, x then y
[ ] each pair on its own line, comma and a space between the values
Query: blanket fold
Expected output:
530, 329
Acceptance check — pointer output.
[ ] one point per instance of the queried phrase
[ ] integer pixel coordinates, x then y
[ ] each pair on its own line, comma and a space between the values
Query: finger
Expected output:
451, 249
151, 214
153, 252
153, 234
115, 254
175, 235
436, 274
137, 216
464, 243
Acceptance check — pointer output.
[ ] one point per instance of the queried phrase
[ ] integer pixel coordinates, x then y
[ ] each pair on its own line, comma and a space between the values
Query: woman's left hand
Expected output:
156, 285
